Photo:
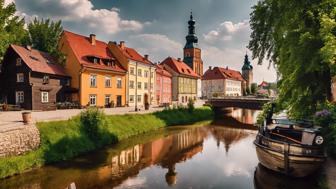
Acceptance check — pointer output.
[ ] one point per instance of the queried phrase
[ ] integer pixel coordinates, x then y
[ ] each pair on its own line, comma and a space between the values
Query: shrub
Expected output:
92, 120
191, 106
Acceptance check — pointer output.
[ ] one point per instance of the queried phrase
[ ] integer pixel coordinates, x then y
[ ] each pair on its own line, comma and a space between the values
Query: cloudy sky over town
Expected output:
159, 27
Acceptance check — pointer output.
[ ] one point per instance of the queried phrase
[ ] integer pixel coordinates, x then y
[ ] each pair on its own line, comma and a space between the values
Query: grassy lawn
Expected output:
63, 140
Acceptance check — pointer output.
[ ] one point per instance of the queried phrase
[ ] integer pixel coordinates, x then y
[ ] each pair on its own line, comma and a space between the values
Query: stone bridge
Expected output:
253, 103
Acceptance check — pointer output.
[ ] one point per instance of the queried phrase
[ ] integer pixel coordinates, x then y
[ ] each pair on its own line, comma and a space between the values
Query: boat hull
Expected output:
294, 165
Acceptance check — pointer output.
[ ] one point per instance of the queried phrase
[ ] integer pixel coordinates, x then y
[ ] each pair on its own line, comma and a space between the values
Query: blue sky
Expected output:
159, 27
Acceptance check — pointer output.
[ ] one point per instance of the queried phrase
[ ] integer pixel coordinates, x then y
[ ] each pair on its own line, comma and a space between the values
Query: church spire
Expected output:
191, 38
247, 64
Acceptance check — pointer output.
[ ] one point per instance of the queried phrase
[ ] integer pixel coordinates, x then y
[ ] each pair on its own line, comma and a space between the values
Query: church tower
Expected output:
191, 52
247, 72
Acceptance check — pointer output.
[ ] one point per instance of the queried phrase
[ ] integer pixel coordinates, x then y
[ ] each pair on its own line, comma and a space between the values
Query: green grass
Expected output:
63, 140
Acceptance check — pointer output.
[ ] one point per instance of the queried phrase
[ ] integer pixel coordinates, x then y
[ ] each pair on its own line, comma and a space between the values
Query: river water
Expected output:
220, 155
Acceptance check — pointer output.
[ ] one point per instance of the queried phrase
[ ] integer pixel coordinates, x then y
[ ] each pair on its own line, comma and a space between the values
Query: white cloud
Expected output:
157, 46
228, 31
81, 12
226, 46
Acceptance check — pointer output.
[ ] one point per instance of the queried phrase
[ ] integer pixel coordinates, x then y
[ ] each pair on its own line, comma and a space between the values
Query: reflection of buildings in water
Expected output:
244, 115
228, 136
166, 152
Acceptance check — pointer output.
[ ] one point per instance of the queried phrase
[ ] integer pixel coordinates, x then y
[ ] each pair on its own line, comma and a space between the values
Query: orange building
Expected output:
98, 76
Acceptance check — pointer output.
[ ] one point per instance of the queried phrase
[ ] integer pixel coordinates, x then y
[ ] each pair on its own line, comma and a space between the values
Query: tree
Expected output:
11, 28
253, 88
44, 36
298, 36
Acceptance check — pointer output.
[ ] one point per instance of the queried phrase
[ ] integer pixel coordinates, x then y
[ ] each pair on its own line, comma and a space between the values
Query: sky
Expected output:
158, 27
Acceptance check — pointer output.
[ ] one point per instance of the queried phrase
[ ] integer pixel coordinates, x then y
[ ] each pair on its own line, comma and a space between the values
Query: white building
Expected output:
218, 82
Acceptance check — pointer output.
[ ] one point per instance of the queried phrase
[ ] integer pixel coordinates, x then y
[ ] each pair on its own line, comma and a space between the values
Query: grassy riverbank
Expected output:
63, 140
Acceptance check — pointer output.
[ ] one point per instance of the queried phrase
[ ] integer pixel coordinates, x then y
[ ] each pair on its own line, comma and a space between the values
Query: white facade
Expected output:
221, 87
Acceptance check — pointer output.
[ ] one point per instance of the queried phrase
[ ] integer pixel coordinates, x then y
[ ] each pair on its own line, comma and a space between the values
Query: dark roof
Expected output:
39, 61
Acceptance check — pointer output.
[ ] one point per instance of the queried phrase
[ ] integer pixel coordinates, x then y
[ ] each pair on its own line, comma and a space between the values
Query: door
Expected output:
119, 99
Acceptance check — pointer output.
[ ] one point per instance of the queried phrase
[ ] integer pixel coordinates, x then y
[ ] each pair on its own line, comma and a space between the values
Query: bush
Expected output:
326, 118
191, 106
92, 121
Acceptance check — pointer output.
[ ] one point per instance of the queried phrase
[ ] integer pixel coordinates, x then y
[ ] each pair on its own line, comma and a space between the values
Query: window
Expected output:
95, 60
131, 99
151, 86
152, 74
132, 71
93, 81
107, 100
131, 85
139, 85
19, 97
45, 79
119, 84
146, 74
107, 81
145, 85
93, 100
18, 61
19, 77
139, 98
139, 72
44, 97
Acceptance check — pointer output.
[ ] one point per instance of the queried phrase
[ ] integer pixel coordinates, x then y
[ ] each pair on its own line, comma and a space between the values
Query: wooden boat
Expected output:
291, 147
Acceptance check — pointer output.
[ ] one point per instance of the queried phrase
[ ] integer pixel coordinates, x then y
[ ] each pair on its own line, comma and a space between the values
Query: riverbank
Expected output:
63, 140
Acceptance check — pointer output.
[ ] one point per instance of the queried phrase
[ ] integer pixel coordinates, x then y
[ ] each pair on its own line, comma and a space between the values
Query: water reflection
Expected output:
218, 156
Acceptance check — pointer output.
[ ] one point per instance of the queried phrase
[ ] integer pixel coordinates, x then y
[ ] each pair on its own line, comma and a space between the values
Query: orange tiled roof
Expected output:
83, 48
179, 67
222, 73
132, 54
162, 71
39, 61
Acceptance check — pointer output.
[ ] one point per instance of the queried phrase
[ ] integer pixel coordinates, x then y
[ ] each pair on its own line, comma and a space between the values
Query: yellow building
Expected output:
99, 78
140, 76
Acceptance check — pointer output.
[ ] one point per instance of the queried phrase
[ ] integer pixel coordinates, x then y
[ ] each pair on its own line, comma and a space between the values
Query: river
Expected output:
220, 155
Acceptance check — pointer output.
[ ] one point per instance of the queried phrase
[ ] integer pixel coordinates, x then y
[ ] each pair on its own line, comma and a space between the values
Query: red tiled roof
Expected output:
179, 67
83, 48
162, 71
263, 84
39, 61
132, 54
222, 73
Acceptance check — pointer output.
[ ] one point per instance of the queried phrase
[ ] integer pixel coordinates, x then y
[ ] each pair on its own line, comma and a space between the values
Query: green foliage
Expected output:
248, 91
62, 140
44, 36
298, 36
253, 88
326, 117
190, 105
92, 119
11, 28
267, 108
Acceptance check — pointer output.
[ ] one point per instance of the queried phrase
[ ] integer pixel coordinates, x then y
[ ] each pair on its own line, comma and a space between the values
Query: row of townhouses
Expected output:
97, 73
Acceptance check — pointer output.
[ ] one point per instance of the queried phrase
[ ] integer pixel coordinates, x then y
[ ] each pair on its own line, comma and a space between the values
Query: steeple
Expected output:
247, 64
191, 38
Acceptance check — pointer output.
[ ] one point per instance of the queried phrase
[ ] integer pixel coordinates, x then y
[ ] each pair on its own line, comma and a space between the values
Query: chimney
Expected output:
146, 56
210, 67
227, 67
28, 47
93, 39
179, 59
122, 44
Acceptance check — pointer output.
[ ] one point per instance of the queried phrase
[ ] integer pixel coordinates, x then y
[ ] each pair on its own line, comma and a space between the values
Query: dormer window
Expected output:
182, 70
45, 79
95, 60
18, 61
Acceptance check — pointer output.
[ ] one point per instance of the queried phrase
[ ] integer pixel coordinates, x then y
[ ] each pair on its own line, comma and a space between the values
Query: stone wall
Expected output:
18, 139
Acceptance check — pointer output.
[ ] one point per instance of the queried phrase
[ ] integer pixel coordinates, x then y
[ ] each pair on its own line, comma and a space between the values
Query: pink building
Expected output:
163, 86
